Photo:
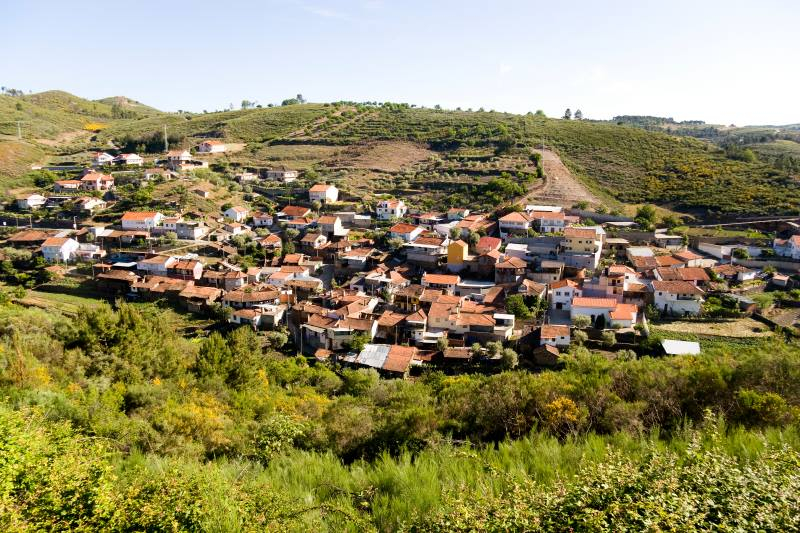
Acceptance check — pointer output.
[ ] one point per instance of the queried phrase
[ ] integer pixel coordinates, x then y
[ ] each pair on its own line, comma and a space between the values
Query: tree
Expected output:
357, 342
567, 114
578, 114
442, 344
510, 359
646, 216
516, 306
580, 337
670, 221
609, 338
741, 253
455, 233
581, 321
316, 205
600, 321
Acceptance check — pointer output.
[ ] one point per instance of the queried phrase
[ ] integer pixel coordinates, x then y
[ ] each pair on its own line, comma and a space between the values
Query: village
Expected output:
399, 289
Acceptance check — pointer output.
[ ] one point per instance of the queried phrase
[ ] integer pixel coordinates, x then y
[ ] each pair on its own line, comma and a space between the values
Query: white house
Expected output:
95, 181
129, 159
100, 159
389, 209
677, 297
446, 282
141, 220
561, 292
156, 265
331, 225
281, 174
176, 157
211, 146
787, 247
553, 335
593, 308
407, 232
31, 201
548, 221
59, 249
262, 220
90, 204
67, 185
514, 223
323, 193
236, 213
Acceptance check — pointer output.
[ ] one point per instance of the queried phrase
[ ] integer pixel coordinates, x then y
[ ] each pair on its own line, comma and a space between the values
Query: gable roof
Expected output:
598, 303
550, 331
676, 287
321, 187
295, 211
139, 215
403, 228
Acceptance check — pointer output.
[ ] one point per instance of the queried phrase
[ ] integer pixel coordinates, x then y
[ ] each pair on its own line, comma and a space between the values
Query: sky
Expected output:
725, 62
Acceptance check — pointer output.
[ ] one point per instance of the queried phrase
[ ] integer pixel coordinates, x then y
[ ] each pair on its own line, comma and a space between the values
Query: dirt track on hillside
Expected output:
560, 187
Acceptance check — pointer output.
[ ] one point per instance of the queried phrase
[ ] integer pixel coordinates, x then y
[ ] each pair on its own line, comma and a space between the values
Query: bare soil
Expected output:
388, 156
560, 187
737, 327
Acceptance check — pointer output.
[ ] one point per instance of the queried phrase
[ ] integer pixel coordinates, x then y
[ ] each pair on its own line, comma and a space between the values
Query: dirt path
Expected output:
560, 187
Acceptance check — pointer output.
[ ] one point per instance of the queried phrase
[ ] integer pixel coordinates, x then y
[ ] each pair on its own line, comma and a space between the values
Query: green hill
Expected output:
618, 161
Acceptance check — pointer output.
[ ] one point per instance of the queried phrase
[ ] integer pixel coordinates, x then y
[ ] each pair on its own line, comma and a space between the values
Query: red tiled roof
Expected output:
139, 215
399, 358
403, 228
440, 279
550, 331
320, 187
580, 301
676, 287
295, 211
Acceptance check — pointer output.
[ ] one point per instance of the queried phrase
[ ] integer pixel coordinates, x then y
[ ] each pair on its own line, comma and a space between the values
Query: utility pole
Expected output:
166, 143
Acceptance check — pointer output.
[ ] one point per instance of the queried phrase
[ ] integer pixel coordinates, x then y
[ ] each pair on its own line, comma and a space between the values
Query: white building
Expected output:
281, 174
236, 213
129, 159
141, 220
561, 292
553, 335
787, 247
211, 146
407, 232
31, 201
389, 209
100, 159
323, 193
59, 249
514, 223
262, 220
677, 297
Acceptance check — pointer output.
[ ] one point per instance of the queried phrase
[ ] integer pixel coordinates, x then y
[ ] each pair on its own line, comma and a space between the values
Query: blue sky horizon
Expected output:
721, 62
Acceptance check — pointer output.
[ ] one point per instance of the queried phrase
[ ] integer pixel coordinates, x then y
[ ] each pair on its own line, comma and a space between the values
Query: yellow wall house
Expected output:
456, 255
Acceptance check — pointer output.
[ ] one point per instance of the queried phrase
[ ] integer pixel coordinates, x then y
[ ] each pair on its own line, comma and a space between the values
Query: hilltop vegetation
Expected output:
620, 161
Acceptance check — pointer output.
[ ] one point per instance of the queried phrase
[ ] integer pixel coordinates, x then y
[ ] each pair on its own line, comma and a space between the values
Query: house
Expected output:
426, 250
211, 146
548, 221
553, 335
235, 228
561, 293
129, 159
298, 223
389, 209
249, 297
66, 185
198, 299
290, 212
510, 271
156, 265
141, 220
190, 229
89, 252
245, 176
530, 288
430, 220
514, 223
691, 259
271, 242
237, 213
445, 282
176, 158
29, 238
89, 204
157, 173
234, 279
548, 271
604, 312
95, 181
475, 223
487, 244
117, 281
31, 201
390, 360
407, 232
334, 333
582, 247
730, 272
186, 269
281, 174
355, 258
313, 241
59, 249
457, 213
262, 220
677, 297
457, 255
259, 316
101, 159
787, 247
203, 191
331, 225
669, 242
323, 193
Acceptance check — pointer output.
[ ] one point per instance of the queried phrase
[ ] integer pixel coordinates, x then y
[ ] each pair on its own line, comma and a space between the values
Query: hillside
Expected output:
441, 156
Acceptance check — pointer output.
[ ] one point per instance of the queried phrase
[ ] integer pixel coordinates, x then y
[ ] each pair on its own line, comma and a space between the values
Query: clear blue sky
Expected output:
720, 61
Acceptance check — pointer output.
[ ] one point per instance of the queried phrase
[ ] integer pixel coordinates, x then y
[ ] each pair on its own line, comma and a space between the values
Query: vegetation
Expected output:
220, 430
